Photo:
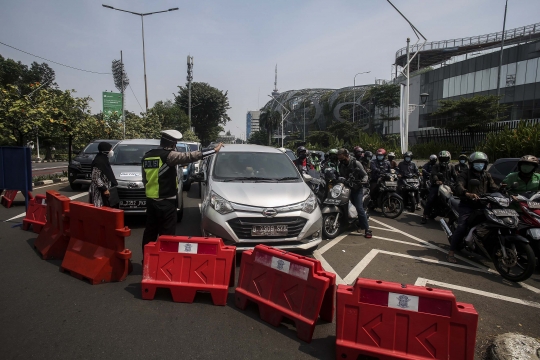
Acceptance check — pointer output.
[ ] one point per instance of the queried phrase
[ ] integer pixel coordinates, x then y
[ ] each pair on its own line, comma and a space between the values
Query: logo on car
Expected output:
269, 212
133, 185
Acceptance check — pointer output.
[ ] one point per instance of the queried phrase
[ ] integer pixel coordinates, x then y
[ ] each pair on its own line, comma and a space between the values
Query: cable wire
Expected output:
54, 62
135, 97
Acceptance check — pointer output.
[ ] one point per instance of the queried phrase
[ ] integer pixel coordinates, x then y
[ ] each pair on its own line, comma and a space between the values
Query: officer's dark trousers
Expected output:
160, 219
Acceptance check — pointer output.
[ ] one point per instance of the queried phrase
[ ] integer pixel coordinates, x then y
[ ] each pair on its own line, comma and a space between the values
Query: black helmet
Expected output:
433, 159
409, 155
528, 164
444, 157
301, 149
368, 155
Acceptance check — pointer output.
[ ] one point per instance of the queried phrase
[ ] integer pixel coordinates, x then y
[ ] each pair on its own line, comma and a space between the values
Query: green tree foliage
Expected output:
23, 77
269, 120
385, 98
258, 138
424, 150
208, 111
170, 116
524, 140
470, 113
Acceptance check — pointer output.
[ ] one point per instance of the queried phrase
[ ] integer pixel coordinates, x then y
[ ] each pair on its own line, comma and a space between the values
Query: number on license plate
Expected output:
504, 212
412, 180
269, 230
332, 201
390, 183
130, 204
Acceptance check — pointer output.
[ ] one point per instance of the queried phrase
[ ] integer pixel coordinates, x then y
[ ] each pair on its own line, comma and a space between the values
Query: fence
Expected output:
467, 139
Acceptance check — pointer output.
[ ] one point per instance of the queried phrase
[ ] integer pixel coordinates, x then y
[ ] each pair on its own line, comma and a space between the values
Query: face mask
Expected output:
368, 158
110, 154
380, 157
407, 159
526, 169
462, 161
478, 166
302, 156
344, 161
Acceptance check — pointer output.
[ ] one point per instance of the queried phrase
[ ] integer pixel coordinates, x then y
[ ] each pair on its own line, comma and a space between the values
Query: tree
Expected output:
471, 113
323, 138
385, 98
209, 109
258, 138
269, 120
16, 73
170, 116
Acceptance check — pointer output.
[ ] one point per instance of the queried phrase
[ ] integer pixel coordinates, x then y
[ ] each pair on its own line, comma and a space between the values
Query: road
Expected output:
54, 315
48, 168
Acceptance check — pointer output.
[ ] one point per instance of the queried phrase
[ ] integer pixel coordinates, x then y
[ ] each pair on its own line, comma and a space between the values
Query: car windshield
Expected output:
193, 147
91, 149
181, 148
230, 166
290, 154
130, 154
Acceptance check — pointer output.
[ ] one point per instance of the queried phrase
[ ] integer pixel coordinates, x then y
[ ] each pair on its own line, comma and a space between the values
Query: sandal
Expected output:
451, 258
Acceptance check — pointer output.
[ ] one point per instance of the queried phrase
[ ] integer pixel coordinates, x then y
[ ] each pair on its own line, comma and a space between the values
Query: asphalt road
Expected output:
48, 168
47, 314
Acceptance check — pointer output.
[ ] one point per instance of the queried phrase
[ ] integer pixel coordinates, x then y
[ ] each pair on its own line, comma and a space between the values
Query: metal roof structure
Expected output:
437, 52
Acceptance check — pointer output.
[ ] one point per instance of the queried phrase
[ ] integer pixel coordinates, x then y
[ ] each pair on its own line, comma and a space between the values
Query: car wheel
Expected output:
180, 213
75, 186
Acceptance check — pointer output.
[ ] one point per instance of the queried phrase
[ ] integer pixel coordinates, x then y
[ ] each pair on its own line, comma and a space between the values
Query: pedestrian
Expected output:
103, 178
161, 183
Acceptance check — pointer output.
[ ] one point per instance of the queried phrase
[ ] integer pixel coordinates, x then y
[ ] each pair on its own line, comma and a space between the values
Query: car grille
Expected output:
242, 226
131, 194
86, 168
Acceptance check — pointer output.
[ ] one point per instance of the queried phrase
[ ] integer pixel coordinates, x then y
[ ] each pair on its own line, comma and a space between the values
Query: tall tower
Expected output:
275, 92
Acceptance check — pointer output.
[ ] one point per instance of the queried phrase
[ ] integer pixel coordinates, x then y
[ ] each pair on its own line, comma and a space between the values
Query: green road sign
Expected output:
112, 103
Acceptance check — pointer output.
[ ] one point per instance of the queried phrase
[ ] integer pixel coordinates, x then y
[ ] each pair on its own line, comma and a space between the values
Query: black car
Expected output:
80, 168
502, 167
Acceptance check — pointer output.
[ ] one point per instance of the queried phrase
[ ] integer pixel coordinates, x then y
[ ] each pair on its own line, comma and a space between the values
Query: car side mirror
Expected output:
307, 177
199, 177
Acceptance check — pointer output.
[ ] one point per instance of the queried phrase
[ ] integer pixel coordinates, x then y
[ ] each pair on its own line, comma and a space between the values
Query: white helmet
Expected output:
171, 135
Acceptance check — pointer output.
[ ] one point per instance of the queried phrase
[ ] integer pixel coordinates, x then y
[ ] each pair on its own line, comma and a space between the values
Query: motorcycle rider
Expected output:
462, 165
393, 163
358, 153
426, 169
526, 177
331, 160
379, 167
468, 195
316, 160
448, 172
406, 168
366, 162
303, 163
348, 166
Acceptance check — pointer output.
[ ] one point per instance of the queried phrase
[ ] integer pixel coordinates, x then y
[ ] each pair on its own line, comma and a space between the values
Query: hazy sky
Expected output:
236, 43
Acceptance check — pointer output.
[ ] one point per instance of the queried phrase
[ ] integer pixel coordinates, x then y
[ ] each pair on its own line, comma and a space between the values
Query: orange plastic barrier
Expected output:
9, 196
185, 265
53, 239
388, 320
96, 250
35, 215
287, 285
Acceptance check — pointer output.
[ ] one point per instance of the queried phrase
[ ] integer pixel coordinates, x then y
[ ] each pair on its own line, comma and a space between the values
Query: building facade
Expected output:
252, 122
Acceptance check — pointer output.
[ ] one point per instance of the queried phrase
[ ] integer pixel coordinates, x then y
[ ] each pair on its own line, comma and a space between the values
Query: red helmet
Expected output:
381, 151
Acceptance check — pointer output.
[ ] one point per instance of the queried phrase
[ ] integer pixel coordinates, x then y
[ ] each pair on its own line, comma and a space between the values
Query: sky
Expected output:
236, 43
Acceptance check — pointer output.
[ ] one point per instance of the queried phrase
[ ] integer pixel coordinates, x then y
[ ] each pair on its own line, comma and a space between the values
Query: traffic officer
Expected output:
161, 183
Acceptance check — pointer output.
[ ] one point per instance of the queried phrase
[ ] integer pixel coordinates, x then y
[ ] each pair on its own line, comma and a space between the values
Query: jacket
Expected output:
461, 167
407, 168
449, 173
532, 185
355, 168
303, 165
487, 185
378, 168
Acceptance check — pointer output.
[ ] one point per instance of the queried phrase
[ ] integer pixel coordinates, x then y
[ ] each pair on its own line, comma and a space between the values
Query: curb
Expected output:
48, 182
47, 161
59, 180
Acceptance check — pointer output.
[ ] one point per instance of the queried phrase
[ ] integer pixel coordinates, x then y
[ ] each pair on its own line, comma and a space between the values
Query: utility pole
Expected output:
406, 115
189, 79
501, 56
123, 113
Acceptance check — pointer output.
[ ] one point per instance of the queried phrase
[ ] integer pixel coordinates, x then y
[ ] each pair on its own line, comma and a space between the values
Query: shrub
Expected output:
524, 140
424, 150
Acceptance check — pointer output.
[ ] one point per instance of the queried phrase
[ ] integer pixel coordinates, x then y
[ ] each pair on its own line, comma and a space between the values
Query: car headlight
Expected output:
75, 163
336, 191
219, 204
310, 204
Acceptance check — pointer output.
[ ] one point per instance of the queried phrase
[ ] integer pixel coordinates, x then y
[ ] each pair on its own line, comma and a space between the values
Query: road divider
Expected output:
36, 214
53, 239
288, 285
387, 320
186, 265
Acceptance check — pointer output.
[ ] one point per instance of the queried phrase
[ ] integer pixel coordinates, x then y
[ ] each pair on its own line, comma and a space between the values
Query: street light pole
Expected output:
142, 15
354, 92
501, 56
189, 79
282, 118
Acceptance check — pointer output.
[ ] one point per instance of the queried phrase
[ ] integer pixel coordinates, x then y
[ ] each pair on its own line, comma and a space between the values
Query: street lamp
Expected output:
282, 118
423, 98
142, 15
354, 92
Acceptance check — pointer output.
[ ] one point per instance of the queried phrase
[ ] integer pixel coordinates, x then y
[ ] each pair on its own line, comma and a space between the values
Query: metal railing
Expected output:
475, 40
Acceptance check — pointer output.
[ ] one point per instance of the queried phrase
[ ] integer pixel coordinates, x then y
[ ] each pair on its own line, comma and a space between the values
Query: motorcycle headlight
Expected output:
310, 204
219, 204
336, 191
503, 202
75, 163
492, 217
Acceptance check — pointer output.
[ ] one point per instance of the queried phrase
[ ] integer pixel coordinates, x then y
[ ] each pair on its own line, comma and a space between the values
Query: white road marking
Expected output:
44, 186
399, 241
331, 243
49, 168
327, 267
24, 213
380, 228
424, 282
357, 270
529, 287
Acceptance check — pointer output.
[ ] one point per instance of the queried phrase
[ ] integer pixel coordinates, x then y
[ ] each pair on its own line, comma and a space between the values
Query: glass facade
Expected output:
520, 83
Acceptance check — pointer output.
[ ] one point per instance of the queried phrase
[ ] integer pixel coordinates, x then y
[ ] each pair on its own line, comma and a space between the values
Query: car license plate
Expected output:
412, 180
533, 205
504, 212
269, 230
390, 183
332, 201
132, 204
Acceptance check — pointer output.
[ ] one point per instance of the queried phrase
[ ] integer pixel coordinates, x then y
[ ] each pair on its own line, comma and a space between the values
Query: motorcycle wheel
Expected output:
328, 229
392, 207
412, 202
522, 262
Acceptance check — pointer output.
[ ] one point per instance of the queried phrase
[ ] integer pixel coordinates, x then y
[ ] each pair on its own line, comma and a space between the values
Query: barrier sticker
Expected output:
402, 301
187, 248
293, 269
280, 264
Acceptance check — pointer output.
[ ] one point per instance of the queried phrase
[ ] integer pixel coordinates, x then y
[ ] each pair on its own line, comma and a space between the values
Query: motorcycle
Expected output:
493, 233
337, 209
441, 206
409, 191
313, 179
388, 200
425, 184
529, 225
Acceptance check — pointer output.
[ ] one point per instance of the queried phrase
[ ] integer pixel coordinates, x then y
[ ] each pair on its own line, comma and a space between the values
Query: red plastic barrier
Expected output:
53, 239
35, 215
286, 285
185, 265
388, 320
96, 250
9, 196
